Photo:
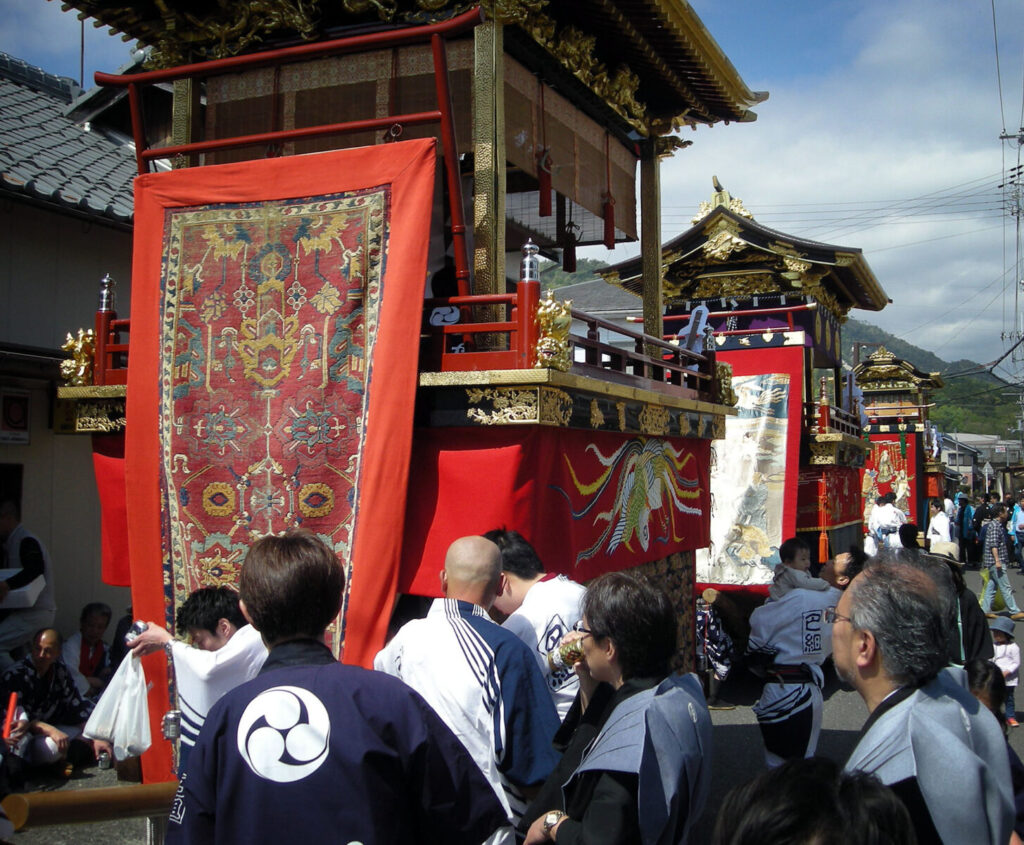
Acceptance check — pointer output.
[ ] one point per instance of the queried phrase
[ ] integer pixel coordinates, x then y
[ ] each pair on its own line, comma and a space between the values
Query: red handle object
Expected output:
12, 705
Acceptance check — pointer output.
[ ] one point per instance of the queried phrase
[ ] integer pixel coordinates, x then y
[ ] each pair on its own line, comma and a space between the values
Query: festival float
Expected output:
771, 306
329, 324
905, 457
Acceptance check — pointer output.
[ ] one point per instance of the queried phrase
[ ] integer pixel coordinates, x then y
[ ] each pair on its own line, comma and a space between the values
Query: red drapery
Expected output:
234, 430
589, 502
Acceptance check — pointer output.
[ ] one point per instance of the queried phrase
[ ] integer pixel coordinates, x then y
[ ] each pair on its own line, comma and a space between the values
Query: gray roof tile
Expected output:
44, 155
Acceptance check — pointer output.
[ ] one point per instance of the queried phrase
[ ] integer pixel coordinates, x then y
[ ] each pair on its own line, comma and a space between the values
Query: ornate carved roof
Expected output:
728, 253
883, 371
651, 61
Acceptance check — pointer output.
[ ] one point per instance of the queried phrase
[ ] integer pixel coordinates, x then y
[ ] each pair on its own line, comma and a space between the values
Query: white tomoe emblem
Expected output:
284, 734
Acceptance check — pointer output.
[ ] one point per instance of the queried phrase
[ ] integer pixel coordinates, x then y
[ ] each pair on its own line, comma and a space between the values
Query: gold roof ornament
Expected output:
882, 371
727, 253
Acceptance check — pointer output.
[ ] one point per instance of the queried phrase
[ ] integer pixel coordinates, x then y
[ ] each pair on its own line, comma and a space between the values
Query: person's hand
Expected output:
99, 745
18, 730
152, 639
58, 736
536, 834
587, 682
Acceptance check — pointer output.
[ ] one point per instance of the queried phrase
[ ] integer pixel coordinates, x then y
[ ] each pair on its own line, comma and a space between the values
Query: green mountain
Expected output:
981, 403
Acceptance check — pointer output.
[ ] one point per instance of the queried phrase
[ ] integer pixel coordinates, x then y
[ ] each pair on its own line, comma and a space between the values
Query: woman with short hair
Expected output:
635, 740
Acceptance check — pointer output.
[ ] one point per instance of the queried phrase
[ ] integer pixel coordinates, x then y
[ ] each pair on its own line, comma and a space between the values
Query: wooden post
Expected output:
650, 240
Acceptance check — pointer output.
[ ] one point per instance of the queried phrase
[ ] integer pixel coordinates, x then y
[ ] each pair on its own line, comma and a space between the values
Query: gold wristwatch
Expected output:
550, 820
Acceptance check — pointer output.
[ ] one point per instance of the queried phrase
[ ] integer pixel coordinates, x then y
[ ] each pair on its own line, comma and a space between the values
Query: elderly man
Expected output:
926, 736
313, 751
227, 652
480, 678
541, 608
54, 712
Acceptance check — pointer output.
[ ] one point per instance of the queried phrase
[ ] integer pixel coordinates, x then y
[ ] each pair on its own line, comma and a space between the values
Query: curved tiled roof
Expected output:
47, 157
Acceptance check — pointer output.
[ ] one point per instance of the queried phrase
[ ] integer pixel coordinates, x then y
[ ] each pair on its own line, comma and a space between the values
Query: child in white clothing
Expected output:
1008, 660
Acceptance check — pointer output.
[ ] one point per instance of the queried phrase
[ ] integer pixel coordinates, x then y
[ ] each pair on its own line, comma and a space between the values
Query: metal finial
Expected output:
529, 267
107, 296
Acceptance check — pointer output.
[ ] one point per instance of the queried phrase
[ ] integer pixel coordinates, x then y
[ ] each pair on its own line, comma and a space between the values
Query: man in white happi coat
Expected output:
540, 608
926, 737
789, 640
226, 652
479, 678
938, 522
885, 521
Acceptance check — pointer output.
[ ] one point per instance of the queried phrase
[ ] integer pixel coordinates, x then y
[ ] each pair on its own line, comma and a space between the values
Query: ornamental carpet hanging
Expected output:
275, 328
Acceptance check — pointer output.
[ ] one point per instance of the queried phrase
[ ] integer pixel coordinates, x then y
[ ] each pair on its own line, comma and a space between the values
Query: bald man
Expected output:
480, 679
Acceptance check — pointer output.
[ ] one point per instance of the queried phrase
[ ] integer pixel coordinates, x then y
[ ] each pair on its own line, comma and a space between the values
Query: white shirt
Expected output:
938, 528
202, 677
548, 612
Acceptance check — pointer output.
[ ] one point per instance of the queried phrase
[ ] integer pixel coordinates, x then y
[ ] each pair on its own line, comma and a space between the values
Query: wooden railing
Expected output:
110, 360
499, 332
508, 341
831, 419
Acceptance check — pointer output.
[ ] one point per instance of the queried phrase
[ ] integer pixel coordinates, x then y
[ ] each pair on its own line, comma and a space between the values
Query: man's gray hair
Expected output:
908, 604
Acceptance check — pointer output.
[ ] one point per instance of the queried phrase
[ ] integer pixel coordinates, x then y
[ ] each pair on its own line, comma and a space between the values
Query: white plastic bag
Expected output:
121, 715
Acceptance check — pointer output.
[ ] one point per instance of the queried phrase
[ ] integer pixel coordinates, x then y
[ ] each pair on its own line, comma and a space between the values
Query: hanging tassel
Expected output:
544, 181
903, 444
608, 210
569, 248
543, 158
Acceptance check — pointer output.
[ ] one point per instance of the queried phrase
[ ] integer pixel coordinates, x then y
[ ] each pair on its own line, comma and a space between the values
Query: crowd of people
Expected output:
524, 707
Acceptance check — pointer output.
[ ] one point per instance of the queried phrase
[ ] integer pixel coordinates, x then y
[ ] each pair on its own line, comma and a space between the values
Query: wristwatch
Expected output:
550, 820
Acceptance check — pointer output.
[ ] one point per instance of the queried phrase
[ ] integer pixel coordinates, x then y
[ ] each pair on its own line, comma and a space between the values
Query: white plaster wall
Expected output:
50, 267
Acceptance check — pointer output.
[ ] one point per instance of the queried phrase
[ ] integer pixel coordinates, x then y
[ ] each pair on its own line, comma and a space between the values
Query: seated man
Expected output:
926, 736
313, 751
85, 654
54, 713
228, 651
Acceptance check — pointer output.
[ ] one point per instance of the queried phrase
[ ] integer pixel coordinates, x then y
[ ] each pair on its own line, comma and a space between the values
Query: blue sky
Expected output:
881, 132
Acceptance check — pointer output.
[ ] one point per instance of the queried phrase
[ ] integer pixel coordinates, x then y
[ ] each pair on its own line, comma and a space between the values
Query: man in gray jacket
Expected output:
926, 736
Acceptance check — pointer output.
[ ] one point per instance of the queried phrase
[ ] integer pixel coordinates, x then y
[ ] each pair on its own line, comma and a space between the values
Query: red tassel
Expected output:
608, 211
544, 181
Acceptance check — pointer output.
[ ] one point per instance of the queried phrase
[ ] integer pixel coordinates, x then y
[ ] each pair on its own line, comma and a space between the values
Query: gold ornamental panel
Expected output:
508, 405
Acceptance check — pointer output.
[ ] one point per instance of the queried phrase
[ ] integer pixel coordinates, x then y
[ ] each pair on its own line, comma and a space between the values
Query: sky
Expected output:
881, 132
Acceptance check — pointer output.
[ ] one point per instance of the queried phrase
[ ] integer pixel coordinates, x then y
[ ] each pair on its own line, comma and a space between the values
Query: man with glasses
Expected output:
926, 736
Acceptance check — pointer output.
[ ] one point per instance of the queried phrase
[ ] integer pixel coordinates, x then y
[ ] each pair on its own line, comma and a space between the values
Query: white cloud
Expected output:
913, 112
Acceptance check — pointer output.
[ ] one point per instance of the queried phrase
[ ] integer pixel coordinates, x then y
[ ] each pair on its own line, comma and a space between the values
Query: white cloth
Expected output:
202, 677
45, 601
548, 612
72, 654
18, 626
938, 528
1007, 660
